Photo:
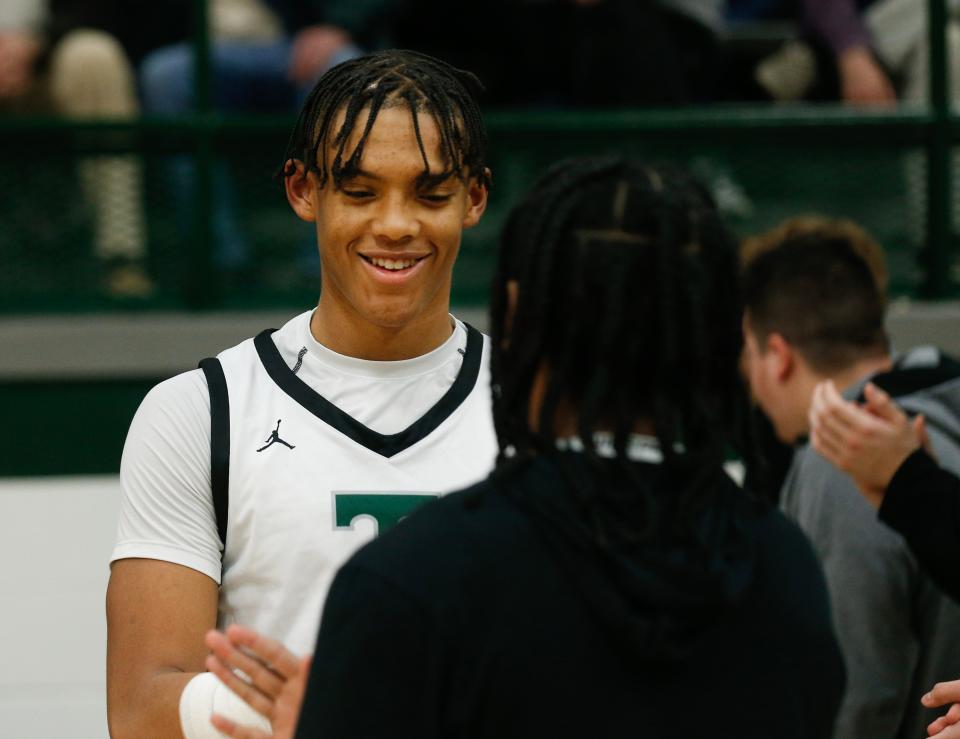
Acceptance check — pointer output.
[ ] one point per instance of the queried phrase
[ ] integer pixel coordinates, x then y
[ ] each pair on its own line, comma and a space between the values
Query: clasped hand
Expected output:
264, 673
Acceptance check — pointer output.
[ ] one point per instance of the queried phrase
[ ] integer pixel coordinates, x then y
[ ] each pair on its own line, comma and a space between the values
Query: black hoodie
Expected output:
497, 612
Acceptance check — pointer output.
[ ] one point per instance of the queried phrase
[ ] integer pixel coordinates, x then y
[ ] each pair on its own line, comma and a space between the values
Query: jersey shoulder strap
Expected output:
219, 442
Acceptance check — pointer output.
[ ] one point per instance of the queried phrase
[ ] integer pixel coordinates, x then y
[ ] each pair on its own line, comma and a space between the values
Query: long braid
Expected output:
627, 297
547, 224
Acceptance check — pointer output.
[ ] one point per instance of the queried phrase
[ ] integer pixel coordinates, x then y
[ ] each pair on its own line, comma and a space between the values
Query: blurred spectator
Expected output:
555, 52
259, 61
841, 25
614, 52
871, 52
266, 54
881, 47
74, 58
864, 52
814, 312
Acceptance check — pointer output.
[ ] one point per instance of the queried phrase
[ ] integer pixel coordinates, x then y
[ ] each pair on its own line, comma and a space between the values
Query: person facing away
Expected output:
609, 568
814, 312
378, 399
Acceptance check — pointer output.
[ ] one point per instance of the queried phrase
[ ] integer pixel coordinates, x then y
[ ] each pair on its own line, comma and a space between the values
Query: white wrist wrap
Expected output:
204, 695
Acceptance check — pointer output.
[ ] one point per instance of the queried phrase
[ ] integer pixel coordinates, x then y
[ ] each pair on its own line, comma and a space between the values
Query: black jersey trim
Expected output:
219, 443
386, 445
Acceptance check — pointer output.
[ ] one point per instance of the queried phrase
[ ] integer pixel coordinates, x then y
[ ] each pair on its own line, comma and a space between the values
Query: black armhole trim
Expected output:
386, 445
219, 443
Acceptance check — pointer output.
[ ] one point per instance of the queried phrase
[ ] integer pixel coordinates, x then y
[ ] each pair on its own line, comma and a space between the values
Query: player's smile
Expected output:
394, 268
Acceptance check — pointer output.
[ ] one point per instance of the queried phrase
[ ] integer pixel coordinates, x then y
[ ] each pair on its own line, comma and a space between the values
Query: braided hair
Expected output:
627, 295
389, 79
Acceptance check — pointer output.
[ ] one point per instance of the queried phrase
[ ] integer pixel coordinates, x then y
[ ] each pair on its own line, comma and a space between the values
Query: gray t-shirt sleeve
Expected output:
872, 580
166, 508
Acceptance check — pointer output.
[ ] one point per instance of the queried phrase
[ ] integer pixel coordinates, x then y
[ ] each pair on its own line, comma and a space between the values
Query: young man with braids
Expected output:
246, 483
609, 573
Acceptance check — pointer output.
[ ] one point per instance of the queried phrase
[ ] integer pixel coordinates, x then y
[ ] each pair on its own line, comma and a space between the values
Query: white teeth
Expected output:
393, 264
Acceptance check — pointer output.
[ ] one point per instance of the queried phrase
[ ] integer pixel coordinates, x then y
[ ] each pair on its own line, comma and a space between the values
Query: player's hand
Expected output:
18, 52
862, 80
313, 49
881, 405
941, 694
868, 443
275, 685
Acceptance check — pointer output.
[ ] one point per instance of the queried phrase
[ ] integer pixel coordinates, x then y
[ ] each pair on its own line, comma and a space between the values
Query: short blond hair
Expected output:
842, 229
820, 284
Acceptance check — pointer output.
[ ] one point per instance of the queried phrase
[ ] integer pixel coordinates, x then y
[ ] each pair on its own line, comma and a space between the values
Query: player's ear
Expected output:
782, 357
301, 190
476, 201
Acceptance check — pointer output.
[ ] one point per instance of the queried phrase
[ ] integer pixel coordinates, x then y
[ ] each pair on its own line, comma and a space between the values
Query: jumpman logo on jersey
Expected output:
274, 438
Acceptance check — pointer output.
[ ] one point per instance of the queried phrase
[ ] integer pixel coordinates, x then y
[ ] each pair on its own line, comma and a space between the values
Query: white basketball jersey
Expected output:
308, 484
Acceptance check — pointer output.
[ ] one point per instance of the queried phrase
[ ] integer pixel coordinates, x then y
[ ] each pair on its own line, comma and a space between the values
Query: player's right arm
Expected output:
164, 580
157, 615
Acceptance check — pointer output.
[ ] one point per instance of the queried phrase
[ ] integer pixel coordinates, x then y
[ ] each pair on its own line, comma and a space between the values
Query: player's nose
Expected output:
395, 220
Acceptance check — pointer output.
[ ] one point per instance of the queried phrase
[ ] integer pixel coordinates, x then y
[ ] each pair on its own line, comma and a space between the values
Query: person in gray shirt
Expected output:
814, 312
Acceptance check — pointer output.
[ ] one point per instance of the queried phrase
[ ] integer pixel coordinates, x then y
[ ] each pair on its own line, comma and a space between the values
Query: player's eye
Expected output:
358, 194
436, 197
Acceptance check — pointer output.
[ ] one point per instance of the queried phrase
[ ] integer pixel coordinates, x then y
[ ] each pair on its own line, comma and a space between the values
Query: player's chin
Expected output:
394, 312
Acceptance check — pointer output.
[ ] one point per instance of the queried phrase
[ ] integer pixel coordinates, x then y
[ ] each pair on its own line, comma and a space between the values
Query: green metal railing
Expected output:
207, 134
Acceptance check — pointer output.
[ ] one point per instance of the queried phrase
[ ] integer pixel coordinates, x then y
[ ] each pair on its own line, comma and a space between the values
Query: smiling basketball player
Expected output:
382, 395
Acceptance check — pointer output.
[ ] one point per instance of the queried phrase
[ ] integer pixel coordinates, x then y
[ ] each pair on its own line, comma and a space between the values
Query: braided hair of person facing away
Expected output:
617, 281
387, 79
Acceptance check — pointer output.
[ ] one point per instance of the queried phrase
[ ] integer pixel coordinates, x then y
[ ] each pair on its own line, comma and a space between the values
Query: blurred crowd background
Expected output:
130, 179
142, 228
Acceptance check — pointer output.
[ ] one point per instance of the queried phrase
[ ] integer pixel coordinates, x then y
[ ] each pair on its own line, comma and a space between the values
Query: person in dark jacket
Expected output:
610, 567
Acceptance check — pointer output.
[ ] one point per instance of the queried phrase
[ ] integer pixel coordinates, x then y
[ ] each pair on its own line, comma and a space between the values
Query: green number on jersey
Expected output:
385, 509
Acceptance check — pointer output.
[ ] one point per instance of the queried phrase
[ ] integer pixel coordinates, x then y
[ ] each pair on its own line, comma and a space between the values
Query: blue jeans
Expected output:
245, 78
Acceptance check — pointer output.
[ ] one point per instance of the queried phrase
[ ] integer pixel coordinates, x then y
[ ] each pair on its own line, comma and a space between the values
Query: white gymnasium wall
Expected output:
56, 535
